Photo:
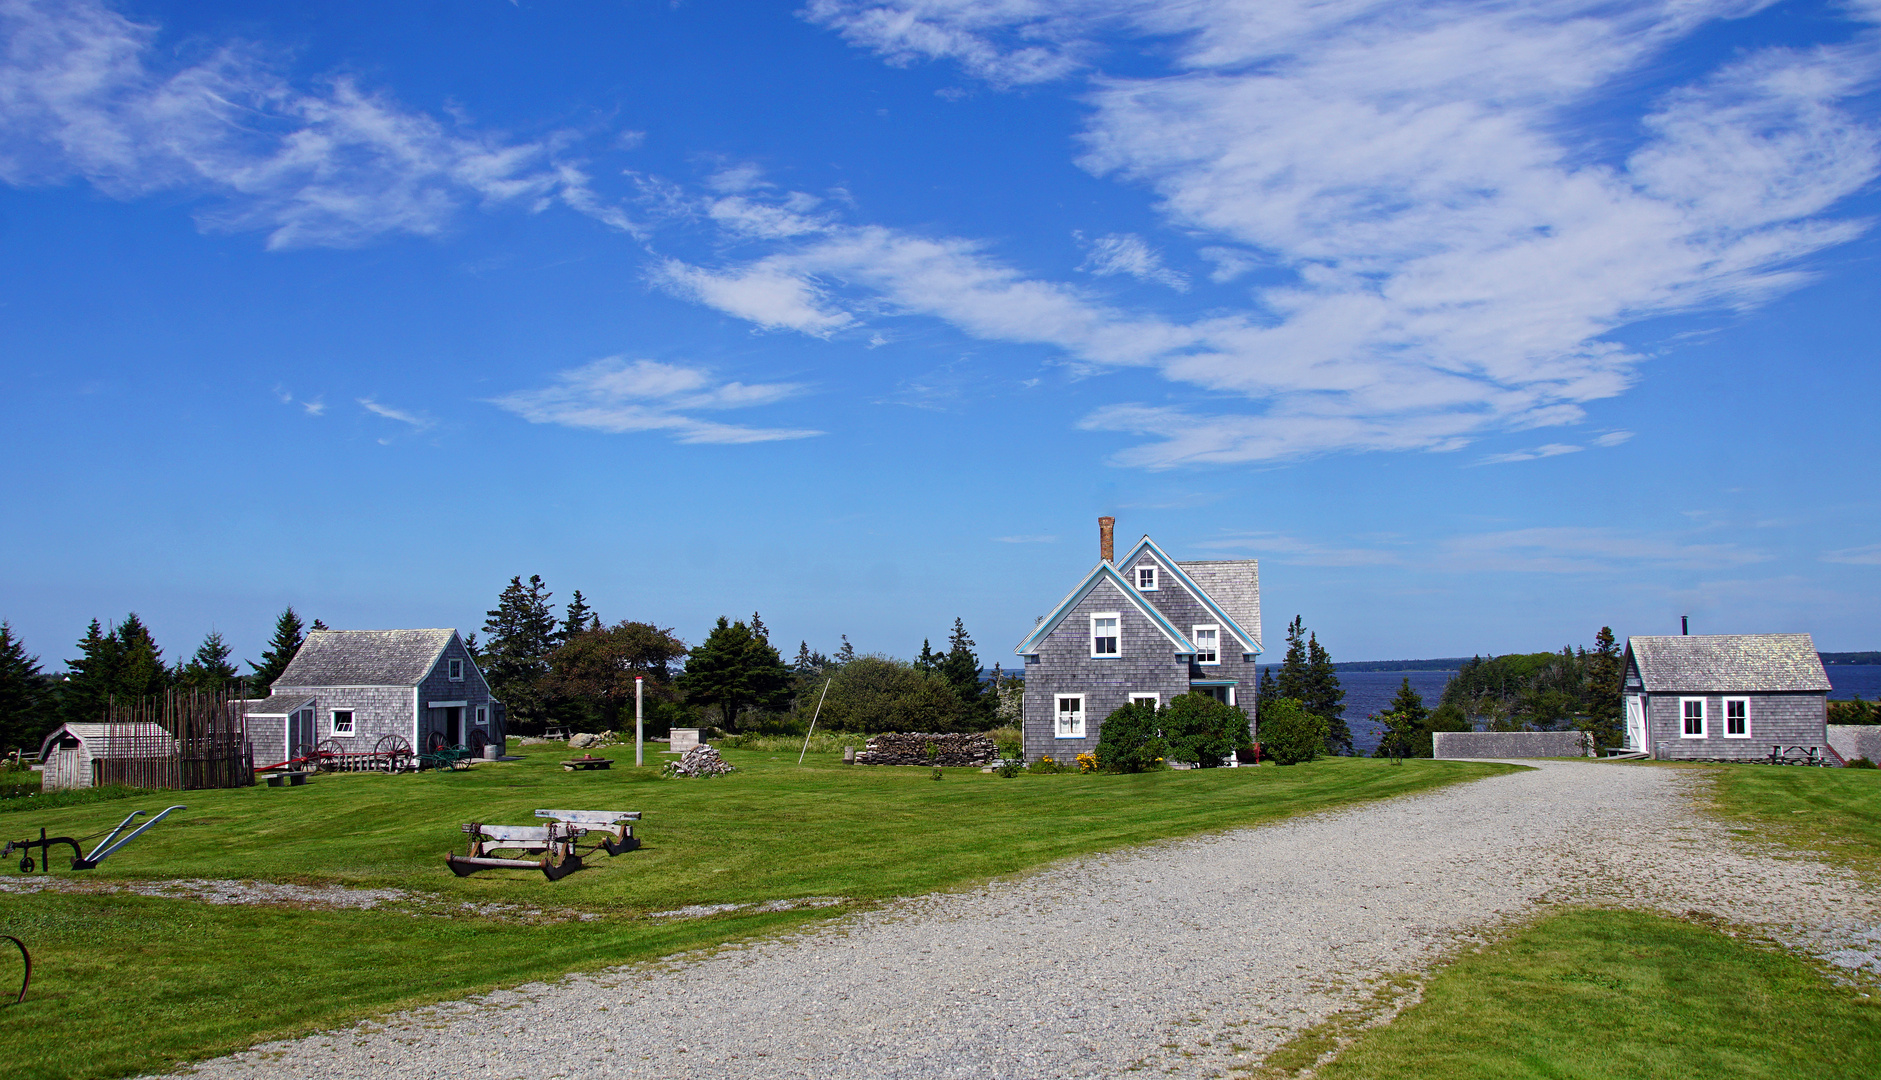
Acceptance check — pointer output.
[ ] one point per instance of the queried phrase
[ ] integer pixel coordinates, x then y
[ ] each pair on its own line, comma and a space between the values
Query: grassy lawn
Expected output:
142, 983
1594, 995
1834, 811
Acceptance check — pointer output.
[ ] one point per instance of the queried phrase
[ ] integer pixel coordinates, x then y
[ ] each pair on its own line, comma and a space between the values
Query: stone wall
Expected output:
1510, 744
910, 748
1853, 741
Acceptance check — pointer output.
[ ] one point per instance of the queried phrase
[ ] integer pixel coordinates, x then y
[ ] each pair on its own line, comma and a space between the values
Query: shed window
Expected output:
1692, 709
483, 715
1146, 578
1207, 644
1070, 716
1104, 639
1736, 718
456, 669
343, 721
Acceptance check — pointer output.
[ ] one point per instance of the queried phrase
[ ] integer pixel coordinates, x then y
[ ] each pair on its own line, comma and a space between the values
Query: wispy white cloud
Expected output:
86, 93
1612, 438
316, 407
1128, 253
418, 421
1856, 556
1546, 450
1295, 551
618, 396
1459, 257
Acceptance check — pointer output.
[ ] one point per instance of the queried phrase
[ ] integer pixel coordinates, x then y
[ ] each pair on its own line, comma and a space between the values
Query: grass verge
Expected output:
1605, 995
185, 980
1836, 812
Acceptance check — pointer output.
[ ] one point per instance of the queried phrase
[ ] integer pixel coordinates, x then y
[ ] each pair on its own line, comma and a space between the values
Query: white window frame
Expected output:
352, 723
1116, 617
1704, 719
454, 670
1155, 700
483, 715
1058, 709
1194, 630
1155, 577
1728, 702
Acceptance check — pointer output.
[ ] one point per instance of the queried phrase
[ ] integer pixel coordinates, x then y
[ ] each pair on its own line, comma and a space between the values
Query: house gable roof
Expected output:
1727, 663
1230, 584
365, 658
1104, 571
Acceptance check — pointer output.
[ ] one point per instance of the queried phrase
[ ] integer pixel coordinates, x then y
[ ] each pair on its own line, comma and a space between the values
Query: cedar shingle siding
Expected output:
1779, 676
389, 678
1058, 658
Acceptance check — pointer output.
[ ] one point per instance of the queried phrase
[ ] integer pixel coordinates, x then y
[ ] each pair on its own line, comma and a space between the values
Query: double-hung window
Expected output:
483, 715
1146, 578
1070, 716
1105, 639
455, 670
1692, 718
1152, 700
1736, 718
1207, 644
343, 722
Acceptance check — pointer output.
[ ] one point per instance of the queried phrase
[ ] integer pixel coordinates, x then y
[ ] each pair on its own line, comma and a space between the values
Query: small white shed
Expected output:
72, 752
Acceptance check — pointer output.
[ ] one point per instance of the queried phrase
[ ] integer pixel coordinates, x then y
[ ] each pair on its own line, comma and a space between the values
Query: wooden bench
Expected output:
615, 827
587, 762
554, 842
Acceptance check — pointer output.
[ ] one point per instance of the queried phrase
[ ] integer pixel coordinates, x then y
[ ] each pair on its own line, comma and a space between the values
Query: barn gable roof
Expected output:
365, 658
1727, 663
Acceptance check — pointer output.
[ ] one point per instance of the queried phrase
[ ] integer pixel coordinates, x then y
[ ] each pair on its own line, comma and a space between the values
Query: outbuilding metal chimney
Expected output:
1107, 538
1685, 625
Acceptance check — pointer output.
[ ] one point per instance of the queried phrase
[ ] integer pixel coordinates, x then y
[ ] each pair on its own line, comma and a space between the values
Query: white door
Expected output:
62, 771
1636, 724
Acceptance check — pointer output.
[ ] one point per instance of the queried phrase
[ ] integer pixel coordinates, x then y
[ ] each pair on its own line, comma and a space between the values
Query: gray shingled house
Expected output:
358, 687
1144, 627
1724, 696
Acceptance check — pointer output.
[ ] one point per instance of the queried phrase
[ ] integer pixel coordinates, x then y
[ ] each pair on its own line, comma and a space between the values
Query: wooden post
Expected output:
640, 749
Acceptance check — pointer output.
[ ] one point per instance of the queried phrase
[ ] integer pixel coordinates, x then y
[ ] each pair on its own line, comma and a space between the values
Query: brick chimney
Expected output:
1107, 538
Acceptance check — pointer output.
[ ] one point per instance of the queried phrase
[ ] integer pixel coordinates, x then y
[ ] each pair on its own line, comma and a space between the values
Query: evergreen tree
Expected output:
736, 671
472, 647
282, 646
1268, 691
928, 660
758, 629
23, 716
521, 634
318, 625
86, 692
579, 616
1325, 697
1407, 728
846, 654
209, 671
1603, 675
806, 661
961, 668
141, 673
1292, 681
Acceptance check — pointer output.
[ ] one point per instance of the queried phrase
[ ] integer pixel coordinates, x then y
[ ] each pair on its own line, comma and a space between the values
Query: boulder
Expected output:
581, 740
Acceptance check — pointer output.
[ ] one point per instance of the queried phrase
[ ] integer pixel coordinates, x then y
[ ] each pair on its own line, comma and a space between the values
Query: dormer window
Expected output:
1146, 579
1104, 635
454, 670
1207, 644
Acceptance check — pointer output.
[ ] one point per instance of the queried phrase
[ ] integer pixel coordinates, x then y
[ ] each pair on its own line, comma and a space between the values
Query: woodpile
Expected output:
911, 748
701, 760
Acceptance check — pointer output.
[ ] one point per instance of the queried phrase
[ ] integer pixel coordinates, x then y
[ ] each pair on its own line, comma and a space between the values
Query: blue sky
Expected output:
1481, 326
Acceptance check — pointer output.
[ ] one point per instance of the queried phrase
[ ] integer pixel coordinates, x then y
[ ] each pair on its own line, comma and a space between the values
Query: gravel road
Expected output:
1186, 957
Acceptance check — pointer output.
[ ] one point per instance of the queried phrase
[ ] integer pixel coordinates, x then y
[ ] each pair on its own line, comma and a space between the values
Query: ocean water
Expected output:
1852, 679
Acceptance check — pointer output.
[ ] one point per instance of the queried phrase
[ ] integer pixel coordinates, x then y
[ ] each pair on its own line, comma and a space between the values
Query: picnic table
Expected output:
585, 762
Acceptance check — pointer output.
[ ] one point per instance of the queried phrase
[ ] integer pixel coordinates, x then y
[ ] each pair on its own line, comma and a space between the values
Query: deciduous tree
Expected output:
592, 673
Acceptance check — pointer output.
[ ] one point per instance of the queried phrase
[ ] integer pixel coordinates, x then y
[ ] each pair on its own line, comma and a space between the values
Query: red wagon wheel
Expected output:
326, 753
394, 751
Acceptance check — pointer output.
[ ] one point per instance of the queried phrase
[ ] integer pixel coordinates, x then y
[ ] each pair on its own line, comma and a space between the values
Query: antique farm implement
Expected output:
551, 848
105, 847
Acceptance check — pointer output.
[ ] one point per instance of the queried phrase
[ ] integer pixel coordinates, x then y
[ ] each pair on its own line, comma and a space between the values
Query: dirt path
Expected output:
1186, 957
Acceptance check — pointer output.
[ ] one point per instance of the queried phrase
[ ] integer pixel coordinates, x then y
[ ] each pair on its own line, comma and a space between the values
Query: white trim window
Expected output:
1070, 720
1207, 640
1737, 718
1154, 701
1691, 718
1106, 635
343, 724
1146, 579
454, 670
483, 715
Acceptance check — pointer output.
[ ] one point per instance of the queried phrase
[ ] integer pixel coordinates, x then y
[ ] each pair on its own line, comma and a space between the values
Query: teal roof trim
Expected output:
1250, 643
1101, 572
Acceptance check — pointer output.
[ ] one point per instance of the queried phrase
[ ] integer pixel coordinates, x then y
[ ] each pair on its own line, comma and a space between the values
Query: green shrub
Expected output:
1203, 730
1861, 763
1009, 768
1289, 734
1131, 739
1044, 766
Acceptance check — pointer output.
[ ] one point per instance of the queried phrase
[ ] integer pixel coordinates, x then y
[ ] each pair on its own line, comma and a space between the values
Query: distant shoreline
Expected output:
1455, 663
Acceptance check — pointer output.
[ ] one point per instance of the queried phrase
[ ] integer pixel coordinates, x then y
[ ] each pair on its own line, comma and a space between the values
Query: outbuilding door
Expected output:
300, 733
1636, 724
62, 770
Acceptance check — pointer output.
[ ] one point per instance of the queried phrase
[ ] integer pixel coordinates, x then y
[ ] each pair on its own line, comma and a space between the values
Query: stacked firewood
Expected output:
912, 748
701, 760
